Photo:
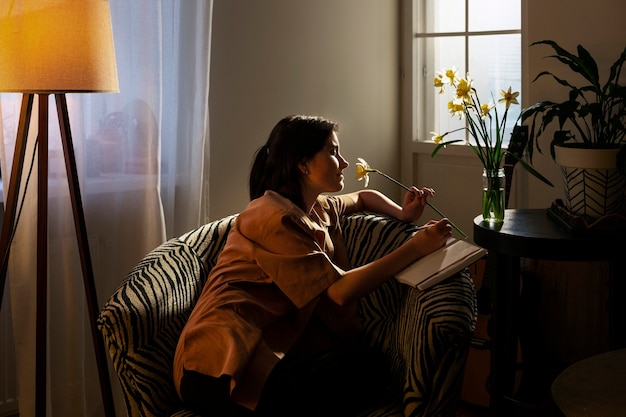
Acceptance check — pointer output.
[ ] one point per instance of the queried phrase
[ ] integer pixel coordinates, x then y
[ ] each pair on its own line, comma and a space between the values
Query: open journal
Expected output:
441, 264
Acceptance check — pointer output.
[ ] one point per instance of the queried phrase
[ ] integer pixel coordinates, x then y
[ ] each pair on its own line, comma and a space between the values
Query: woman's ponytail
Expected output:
258, 172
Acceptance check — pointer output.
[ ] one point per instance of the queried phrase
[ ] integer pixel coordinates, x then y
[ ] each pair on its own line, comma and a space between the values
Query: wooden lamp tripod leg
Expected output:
41, 331
11, 197
9, 224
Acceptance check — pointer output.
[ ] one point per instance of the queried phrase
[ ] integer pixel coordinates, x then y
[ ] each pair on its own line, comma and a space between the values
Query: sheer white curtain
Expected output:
140, 159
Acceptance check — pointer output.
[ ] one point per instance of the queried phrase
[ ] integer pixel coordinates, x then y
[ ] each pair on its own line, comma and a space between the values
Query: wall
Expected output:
273, 58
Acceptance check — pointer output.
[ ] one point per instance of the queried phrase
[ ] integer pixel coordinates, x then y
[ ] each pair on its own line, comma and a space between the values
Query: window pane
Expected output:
493, 60
494, 15
431, 107
494, 65
436, 16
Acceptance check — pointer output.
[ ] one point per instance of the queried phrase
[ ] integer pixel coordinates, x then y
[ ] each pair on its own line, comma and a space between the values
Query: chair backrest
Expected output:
142, 320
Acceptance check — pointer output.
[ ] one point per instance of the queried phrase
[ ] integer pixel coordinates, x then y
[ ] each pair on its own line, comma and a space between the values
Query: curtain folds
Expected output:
140, 156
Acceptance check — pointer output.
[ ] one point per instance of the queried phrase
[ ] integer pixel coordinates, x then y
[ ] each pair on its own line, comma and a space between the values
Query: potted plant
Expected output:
592, 120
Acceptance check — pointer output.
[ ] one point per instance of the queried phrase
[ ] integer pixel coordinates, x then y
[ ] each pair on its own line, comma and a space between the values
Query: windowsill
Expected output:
451, 150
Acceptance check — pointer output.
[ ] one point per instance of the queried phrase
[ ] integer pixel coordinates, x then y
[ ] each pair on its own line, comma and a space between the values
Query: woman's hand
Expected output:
414, 202
433, 237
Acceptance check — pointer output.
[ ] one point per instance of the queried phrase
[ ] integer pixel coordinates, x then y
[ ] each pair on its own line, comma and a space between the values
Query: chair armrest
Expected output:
424, 334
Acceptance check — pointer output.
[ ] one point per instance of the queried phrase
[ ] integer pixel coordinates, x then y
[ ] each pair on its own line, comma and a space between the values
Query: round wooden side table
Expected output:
593, 387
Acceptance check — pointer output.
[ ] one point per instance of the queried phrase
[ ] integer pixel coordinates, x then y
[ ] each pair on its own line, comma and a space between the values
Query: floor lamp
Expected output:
54, 48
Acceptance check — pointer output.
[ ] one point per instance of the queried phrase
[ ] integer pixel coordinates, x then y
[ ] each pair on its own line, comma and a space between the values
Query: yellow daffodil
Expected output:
437, 137
439, 83
464, 89
362, 173
456, 108
508, 97
451, 75
485, 109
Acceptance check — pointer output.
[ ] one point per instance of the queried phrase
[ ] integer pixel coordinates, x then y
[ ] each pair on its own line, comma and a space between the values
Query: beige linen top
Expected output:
259, 299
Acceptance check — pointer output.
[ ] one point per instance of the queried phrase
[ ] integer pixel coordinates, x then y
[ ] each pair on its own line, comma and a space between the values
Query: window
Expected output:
482, 37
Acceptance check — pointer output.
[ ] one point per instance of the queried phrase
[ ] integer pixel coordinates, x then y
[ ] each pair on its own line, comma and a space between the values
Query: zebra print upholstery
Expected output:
425, 335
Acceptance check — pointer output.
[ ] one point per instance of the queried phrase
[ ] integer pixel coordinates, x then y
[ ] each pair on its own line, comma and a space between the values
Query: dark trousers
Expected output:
337, 383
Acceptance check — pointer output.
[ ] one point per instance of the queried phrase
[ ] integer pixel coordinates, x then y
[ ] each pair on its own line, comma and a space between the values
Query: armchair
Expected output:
424, 335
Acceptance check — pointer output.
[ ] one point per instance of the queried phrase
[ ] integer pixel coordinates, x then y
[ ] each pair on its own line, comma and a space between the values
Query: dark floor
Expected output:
532, 399
517, 409
469, 410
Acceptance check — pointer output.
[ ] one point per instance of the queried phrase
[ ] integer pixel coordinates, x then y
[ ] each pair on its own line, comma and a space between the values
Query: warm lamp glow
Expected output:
57, 47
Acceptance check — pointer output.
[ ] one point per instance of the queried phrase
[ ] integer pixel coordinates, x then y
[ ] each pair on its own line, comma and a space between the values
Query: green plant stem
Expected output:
429, 205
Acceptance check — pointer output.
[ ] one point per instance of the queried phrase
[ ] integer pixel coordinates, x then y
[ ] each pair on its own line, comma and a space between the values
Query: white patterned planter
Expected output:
593, 186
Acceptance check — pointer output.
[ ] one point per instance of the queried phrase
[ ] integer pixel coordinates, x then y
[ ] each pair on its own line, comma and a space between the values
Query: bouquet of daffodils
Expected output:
480, 120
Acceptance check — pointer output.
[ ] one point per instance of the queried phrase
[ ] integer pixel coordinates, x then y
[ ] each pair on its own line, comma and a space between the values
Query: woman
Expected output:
276, 328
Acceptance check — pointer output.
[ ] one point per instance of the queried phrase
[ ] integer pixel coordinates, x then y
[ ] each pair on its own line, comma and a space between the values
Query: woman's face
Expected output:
325, 169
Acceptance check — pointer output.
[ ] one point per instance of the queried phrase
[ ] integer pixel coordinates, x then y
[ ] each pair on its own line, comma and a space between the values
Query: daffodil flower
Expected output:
456, 108
464, 89
508, 97
439, 83
485, 109
362, 173
437, 137
451, 75
446, 77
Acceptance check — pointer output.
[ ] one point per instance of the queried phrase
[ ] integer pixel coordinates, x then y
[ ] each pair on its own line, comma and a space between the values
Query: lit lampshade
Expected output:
57, 46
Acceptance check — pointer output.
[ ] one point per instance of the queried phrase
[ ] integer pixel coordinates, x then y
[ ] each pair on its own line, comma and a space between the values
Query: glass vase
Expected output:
494, 195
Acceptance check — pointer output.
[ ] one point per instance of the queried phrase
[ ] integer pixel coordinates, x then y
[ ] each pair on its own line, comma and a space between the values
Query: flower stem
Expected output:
430, 205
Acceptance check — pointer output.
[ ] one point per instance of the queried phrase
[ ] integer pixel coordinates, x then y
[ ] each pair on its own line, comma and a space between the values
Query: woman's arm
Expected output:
375, 201
360, 281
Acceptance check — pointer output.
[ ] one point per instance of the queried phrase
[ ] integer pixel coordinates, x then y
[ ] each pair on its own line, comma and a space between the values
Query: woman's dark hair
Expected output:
293, 140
